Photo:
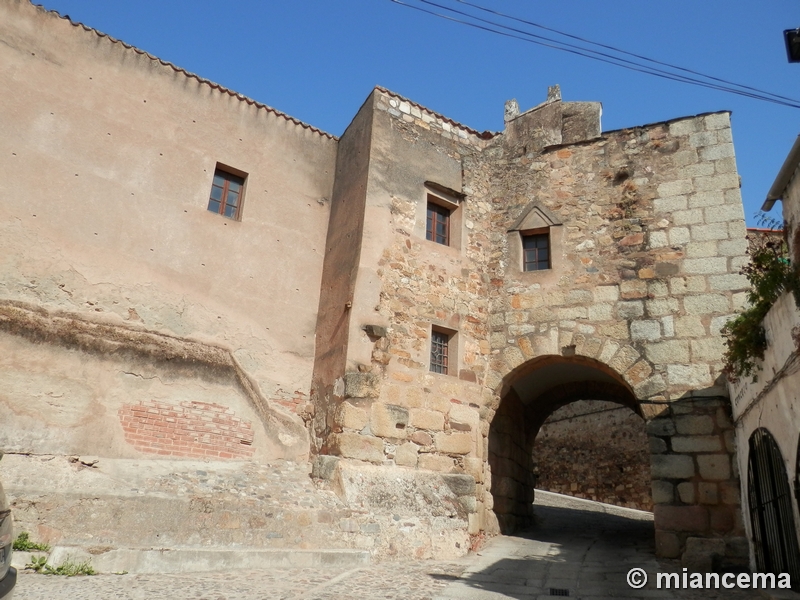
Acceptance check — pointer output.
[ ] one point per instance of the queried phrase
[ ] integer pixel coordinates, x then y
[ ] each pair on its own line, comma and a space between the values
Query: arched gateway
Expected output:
530, 394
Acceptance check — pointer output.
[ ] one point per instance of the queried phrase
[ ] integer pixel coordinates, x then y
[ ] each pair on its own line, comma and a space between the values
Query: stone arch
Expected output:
530, 392
614, 356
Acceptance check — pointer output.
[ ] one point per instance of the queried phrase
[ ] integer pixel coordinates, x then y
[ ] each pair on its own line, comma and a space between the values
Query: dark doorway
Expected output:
771, 515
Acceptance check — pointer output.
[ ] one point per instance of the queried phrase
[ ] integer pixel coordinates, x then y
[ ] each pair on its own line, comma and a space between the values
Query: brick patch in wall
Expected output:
191, 429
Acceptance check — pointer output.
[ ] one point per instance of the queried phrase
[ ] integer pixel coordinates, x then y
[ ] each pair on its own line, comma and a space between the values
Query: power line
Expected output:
621, 51
526, 36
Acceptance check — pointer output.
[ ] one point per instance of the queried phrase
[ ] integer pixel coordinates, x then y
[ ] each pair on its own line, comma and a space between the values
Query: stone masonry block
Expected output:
717, 152
406, 455
671, 466
631, 309
460, 484
712, 231
388, 420
686, 492
657, 445
717, 121
606, 293
707, 493
692, 216
667, 545
658, 307
650, 387
669, 351
683, 127
701, 249
361, 385
685, 157
709, 265
663, 492
718, 182
646, 330
714, 467
360, 447
421, 418
736, 247
700, 553
696, 443
623, 359
658, 239
675, 188
732, 281
681, 518
435, 462
703, 304
694, 425
453, 443
708, 349
707, 198
679, 236
661, 427
690, 326
703, 138
670, 204
600, 312
726, 212
351, 417
693, 376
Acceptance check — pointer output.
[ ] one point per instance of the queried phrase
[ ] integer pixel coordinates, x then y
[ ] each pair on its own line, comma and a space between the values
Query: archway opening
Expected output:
532, 393
595, 450
771, 515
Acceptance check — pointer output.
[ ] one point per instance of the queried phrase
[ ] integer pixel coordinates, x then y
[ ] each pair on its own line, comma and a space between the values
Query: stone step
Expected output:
108, 505
168, 504
197, 560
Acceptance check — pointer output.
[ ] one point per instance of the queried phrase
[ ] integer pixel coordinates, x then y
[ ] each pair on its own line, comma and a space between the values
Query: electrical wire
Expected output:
526, 36
621, 51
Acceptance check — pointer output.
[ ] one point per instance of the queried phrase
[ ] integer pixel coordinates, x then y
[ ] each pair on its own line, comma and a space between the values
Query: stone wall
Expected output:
595, 450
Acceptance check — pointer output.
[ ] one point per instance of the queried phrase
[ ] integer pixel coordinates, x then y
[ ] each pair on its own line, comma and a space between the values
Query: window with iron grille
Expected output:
535, 251
226, 194
438, 224
440, 343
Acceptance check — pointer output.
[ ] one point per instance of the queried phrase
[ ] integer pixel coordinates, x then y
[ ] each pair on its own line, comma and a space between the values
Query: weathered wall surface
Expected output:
109, 156
647, 238
596, 450
770, 402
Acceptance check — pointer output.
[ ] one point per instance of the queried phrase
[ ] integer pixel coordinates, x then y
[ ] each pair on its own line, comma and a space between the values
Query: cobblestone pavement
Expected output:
584, 548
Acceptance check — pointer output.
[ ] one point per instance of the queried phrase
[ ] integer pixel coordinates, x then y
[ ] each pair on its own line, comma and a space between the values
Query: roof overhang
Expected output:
784, 176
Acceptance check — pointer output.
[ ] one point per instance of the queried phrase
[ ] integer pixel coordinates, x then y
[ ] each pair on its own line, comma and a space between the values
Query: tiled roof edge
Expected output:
485, 135
178, 69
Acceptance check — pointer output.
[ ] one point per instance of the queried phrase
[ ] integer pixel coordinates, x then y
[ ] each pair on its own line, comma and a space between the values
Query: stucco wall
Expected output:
109, 156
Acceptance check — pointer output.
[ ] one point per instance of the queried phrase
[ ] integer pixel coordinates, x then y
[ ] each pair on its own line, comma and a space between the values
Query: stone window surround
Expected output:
221, 168
453, 354
449, 199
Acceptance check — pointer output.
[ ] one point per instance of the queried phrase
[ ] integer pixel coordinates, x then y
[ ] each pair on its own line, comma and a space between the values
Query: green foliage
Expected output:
38, 563
770, 273
24, 544
67, 568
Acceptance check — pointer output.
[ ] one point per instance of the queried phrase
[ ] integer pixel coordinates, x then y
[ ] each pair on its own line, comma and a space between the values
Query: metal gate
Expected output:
771, 516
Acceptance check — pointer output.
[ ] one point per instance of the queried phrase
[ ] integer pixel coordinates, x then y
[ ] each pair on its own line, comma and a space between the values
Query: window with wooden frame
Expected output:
227, 193
536, 250
438, 223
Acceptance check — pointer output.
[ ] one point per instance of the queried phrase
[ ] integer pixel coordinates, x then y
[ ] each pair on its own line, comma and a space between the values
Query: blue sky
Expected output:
318, 60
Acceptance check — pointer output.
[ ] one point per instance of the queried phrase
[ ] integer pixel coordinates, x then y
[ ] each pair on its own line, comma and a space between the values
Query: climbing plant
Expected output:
770, 273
